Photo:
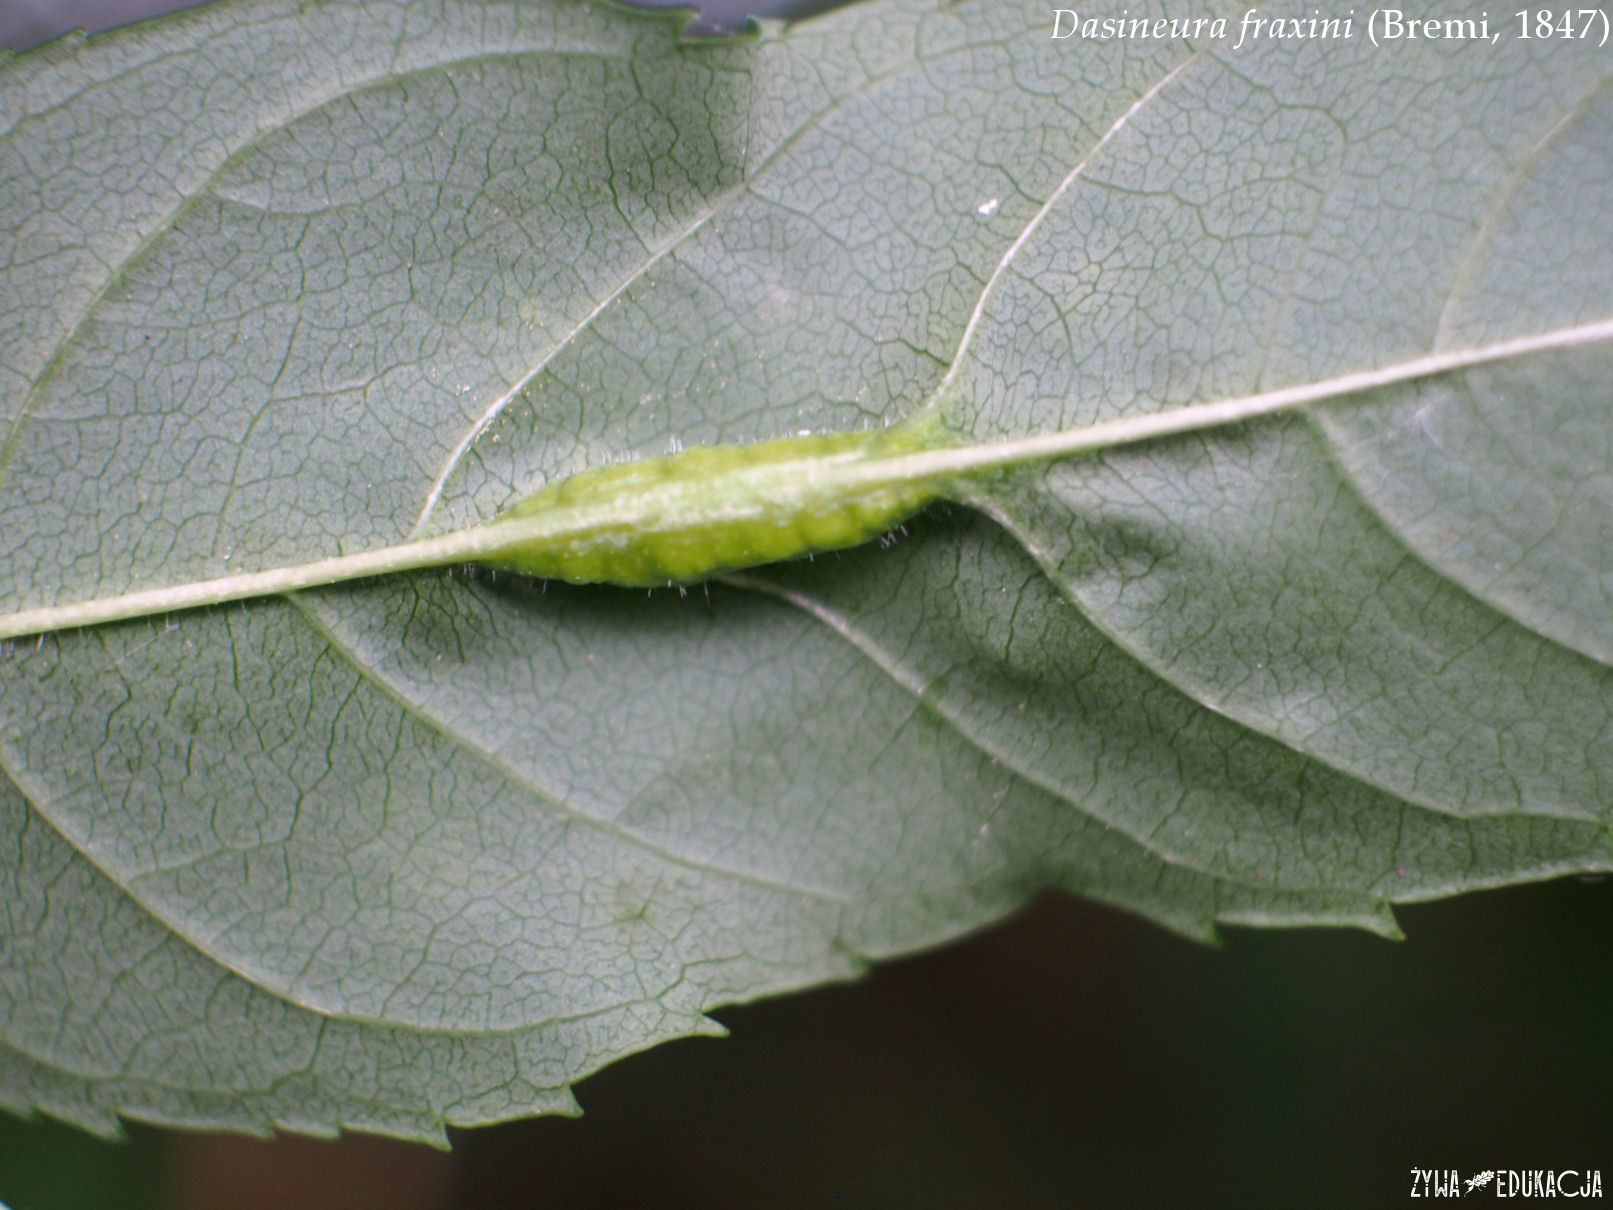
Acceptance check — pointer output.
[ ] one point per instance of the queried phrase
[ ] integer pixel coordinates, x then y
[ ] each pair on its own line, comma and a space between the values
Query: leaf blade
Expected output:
492, 837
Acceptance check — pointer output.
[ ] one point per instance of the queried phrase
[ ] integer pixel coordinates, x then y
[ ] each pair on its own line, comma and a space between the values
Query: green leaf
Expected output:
286, 284
1266, 571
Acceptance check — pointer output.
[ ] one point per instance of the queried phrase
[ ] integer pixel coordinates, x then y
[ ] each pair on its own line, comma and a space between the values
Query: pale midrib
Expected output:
1130, 430
947, 466
717, 206
417, 553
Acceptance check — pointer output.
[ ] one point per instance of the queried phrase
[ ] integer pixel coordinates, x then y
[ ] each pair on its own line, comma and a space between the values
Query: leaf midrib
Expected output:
1467, 267
719, 206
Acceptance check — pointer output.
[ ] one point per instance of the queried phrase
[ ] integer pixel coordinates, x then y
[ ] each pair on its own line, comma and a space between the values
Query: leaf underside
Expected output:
280, 284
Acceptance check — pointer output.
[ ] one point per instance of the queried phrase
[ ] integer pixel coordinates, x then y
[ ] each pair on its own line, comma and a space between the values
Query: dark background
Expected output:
1073, 1056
